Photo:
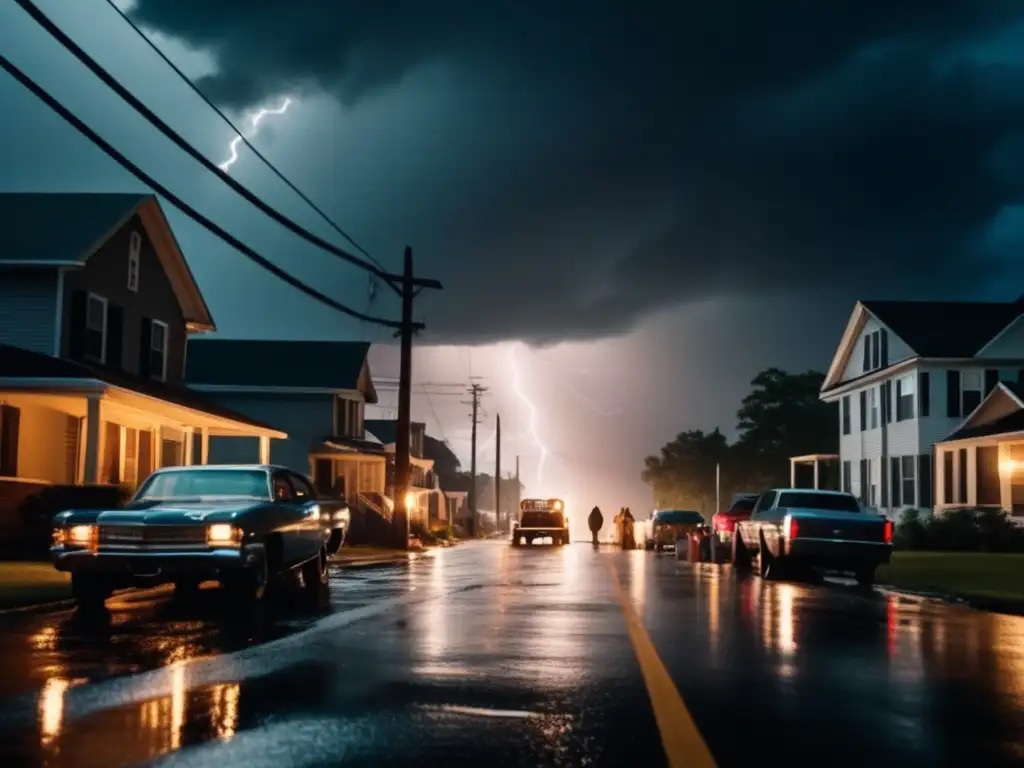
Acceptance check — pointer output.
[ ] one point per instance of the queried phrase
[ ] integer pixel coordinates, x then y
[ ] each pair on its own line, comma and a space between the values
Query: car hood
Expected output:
166, 513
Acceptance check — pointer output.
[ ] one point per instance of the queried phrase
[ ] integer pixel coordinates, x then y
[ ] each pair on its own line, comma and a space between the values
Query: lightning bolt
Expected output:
255, 119
535, 436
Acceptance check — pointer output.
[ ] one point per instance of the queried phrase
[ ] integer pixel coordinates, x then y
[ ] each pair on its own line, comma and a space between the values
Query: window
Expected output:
96, 328
847, 480
846, 415
134, 251
947, 477
876, 350
10, 421
876, 361
158, 350
203, 483
833, 502
764, 502
283, 490
908, 471
971, 391
303, 490
873, 408
905, 387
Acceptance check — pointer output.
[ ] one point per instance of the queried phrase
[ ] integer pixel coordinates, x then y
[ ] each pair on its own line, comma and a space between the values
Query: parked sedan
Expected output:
240, 525
826, 530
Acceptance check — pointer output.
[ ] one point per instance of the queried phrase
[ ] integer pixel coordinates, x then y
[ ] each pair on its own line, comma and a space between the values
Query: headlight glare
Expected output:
223, 535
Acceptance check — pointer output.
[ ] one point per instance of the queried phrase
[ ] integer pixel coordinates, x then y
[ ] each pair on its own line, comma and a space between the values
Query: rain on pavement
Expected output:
484, 654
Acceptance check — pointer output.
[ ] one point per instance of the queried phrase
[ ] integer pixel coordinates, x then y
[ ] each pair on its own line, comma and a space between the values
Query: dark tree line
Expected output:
780, 418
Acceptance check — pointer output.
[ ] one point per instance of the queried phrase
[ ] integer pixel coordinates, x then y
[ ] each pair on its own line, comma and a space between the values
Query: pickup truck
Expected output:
724, 523
822, 530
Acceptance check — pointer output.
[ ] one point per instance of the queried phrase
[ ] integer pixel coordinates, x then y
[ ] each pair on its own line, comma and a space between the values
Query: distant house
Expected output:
981, 464
429, 507
316, 390
906, 374
96, 304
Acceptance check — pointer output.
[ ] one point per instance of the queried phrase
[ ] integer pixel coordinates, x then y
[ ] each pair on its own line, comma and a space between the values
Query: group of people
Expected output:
623, 526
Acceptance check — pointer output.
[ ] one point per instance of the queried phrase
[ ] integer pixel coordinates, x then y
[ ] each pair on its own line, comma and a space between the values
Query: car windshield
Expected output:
205, 483
744, 505
834, 502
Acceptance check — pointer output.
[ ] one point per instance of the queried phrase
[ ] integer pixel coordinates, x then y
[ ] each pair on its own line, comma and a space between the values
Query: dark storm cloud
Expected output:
701, 148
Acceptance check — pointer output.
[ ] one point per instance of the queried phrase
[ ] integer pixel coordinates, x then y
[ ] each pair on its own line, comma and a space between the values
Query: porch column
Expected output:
158, 447
92, 440
972, 476
204, 445
816, 475
1006, 470
939, 469
189, 447
792, 474
264, 450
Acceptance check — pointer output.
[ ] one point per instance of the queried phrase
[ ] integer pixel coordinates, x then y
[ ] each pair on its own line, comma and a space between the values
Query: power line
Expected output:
220, 113
180, 204
127, 96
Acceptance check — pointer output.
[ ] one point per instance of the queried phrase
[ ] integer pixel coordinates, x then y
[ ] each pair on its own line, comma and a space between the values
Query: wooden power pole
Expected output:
476, 391
497, 475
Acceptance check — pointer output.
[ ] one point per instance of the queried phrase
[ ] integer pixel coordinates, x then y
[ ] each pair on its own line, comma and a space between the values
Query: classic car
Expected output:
541, 519
668, 525
823, 530
240, 525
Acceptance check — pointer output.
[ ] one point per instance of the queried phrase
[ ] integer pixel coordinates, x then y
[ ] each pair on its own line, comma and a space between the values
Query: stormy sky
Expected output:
647, 202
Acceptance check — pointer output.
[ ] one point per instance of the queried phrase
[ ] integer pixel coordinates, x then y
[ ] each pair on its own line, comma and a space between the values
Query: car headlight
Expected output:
85, 536
223, 535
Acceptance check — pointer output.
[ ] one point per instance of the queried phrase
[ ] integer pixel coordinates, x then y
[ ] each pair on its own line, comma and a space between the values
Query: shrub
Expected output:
911, 532
960, 530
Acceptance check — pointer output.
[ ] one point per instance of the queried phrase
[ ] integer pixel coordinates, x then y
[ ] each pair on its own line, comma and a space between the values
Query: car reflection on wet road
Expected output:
487, 655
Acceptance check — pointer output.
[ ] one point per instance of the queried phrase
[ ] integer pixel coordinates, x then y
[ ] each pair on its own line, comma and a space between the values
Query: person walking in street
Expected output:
595, 521
628, 539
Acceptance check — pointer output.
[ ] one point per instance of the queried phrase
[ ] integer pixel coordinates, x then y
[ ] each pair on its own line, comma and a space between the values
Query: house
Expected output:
981, 464
427, 508
317, 391
96, 304
905, 376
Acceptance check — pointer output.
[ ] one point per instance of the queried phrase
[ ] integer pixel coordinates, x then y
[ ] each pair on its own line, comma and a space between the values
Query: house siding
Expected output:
106, 274
1008, 346
897, 350
28, 308
306, 418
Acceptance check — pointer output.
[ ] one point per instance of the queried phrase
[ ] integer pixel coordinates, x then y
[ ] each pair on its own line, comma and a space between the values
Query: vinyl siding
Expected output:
28, 308
898, 350
939, 426
306, 419
1008, 346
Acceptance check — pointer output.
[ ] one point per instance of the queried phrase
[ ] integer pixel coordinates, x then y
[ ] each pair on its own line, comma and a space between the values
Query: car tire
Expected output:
865, 577
90, 592
315, 578
186, 589
248, 586
740, 554
768, 567
334, 542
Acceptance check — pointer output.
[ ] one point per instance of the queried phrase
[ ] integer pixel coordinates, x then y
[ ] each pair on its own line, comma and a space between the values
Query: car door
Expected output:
290, 517
314, 525
751, 528
770, 523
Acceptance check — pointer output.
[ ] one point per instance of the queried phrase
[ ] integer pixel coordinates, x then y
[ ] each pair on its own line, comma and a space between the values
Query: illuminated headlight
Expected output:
558, 506
341, 514
82, 535
223, 535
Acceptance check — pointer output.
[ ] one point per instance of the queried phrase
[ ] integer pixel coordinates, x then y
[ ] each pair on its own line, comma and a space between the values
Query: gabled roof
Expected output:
944, 328
65, 229
384, 430
244, 363
1013, 421
937, 329
23, 364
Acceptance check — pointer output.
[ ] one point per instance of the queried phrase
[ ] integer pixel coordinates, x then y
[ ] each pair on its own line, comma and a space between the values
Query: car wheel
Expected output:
740, 554
335, 541
767, 566
185, 589
315, 577
247, 586
866, 577
90, 592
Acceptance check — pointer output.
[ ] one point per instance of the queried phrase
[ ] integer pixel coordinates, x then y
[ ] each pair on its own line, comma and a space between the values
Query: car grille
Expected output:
152, 537
848, 530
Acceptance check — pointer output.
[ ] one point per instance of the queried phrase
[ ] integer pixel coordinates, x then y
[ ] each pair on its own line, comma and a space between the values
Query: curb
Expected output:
1007, 606
375, 562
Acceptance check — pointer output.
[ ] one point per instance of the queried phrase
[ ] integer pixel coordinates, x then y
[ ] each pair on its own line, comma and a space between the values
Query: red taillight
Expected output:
887, 532
793, 529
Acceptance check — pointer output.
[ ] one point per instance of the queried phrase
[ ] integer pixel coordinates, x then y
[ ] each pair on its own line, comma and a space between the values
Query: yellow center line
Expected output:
682, 740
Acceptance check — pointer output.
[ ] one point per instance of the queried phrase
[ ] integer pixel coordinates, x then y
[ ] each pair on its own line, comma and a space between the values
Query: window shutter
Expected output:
144, 344
864, 410
867, 352
863, 482
991, 379
883, 343
899, 394
924, 395
953, 394
895, 481
10, 422
884, 481
115, 335
76, 326
924, 480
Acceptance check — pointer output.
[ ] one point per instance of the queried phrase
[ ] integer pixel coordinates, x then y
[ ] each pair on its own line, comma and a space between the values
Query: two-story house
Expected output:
96, 304
906, 375
428, 507
316, 390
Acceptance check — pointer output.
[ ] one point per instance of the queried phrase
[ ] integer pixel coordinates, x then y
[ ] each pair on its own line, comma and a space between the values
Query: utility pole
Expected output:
519, 488
409, 288
497, 475
475, 391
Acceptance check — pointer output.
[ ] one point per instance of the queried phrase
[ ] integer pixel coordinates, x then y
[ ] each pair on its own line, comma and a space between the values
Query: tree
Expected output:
783, 416
683, 475
445, 460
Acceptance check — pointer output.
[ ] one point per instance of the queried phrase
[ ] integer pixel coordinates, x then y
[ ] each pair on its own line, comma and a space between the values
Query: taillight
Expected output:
887, 532
792, 527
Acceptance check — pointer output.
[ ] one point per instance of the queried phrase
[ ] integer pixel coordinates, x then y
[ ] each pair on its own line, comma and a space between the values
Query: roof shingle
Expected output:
945, 328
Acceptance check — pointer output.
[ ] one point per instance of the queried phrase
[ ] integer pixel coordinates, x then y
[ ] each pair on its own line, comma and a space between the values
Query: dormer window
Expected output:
876, 350
134, 254
348, 418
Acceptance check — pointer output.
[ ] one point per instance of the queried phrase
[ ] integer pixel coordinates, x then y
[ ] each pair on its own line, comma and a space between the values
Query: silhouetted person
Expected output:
594, 522
628, 539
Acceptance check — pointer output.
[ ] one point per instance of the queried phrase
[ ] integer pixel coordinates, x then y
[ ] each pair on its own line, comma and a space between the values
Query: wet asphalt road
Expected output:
485, 655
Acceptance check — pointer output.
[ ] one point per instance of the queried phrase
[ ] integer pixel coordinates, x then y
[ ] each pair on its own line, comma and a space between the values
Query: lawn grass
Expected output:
23, 584
958, 574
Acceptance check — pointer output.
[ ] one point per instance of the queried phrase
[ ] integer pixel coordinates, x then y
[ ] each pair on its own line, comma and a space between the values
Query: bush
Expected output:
960, 530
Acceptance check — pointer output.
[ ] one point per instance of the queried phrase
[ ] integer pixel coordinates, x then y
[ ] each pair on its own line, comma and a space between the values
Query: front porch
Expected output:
981, 472
346, 471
